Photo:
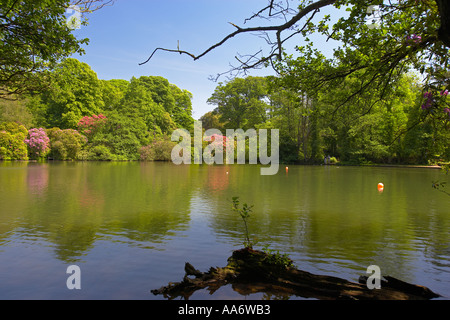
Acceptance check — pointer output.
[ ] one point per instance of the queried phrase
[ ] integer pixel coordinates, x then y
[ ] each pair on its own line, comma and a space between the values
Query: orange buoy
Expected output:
287, 169
380, 187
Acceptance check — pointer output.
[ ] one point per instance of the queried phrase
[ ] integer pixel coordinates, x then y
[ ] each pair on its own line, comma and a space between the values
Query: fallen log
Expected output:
251, 271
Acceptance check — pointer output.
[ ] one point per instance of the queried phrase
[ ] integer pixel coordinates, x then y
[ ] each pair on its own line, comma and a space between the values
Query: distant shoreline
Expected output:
414, 166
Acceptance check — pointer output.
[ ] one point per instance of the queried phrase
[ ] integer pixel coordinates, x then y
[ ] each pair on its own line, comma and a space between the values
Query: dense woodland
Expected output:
381, 98
90, 119
80, 117
396, 129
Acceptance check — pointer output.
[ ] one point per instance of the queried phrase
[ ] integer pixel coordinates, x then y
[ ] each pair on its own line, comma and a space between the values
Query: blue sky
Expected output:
126, 33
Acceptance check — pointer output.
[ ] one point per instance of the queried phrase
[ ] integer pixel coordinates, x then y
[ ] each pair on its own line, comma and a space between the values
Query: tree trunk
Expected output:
251, 271
444, 30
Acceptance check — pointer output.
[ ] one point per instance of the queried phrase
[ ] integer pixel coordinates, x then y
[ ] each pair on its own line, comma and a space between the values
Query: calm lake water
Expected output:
130, 227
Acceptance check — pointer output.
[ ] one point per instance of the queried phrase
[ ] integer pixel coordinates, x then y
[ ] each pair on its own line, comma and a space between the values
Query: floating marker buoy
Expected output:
380, 187
287, 169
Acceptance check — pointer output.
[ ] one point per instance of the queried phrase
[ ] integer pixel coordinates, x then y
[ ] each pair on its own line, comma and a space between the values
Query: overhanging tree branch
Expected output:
86, 6
292, 17
278, 29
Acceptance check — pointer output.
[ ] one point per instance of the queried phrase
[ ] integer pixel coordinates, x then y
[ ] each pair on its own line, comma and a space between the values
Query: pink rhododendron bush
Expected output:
38, 143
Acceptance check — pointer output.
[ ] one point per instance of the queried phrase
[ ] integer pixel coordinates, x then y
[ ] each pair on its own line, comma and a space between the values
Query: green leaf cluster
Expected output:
12, 145
34, 39
244, 212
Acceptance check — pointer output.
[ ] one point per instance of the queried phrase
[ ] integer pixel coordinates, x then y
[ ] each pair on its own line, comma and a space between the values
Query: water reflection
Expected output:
330, 220
334, 220
37, 179
218, 179
74, 205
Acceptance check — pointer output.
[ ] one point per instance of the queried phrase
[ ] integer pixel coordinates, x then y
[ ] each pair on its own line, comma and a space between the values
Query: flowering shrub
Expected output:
38, 143
216, 138
433, 101
414, 39
429, 102
90, 125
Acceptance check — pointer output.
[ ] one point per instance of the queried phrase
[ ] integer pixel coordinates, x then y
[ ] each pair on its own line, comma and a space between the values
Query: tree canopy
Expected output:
366, 129
382, 39
382, 91
381, 96
35, 37
91, 119
240, 103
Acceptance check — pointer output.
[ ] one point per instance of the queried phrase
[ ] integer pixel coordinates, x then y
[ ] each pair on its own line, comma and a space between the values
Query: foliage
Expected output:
162, 106
75, 92
16, 110
244, 212
65, 144
158, 150
240, 103
12, 145
35, 37
365, 129
101, 153
90, 125
38, 143
276, 258
113, 92
399, 124
117, 116
358, 84
211, 120
122, 135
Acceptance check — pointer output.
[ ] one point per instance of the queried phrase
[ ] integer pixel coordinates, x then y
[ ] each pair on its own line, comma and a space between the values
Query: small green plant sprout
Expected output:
281, 260
244, 212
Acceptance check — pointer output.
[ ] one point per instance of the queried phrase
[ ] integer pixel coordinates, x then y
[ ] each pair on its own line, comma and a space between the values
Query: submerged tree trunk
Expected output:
251, 271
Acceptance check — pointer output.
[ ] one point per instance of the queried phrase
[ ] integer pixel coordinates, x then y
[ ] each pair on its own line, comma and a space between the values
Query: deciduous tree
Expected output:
35, 36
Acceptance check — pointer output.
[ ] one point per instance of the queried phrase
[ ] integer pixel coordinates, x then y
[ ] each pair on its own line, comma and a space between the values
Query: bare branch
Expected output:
283, 11
278, 29
258, 14
86, 6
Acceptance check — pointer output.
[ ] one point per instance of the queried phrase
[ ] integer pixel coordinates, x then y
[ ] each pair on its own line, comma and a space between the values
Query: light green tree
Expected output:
76, 92
241, 103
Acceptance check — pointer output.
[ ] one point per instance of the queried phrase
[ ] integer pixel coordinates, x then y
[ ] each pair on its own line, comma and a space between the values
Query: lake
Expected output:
131, 226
